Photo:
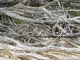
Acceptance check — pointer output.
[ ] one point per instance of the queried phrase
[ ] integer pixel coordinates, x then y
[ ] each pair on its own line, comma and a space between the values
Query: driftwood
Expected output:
46, 32
37, 49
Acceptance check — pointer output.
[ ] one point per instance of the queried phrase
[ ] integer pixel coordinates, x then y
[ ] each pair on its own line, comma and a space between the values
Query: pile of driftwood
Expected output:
47, 32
